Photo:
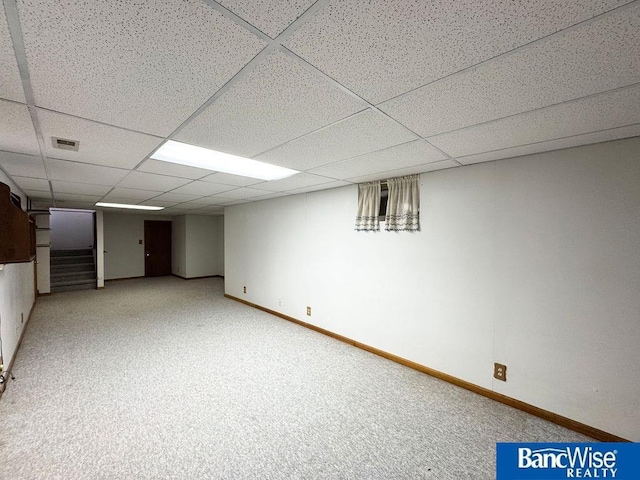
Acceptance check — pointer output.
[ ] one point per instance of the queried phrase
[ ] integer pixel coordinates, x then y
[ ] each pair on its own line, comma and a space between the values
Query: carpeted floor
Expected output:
166, 379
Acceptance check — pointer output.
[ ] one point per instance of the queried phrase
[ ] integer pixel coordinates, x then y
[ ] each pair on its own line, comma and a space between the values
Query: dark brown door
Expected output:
157, 248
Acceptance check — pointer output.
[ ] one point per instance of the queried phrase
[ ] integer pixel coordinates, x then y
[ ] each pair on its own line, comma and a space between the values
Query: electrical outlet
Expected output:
308, 311
245, 289
22, 317
500, 372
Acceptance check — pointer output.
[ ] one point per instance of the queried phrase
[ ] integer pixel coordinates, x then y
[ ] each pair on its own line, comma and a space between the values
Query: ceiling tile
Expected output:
22, 165
401, 172
174, 211
99, 144
189, 206
27, 183
206, 201
602, 55
574, 141
315, 188
156, 203
362, 133
172, 169
276, 102
240, 194
399, 156
84, 173
600, 112
131, 194
39, 203
38, 195
213, 209
265, 197
10, 82
79, 188
299, 180
380, 50
175, 198
78, 204
148, 71
597, 57
268, 16
234, 180
202, 188
70, 197
239, 201
17, 130
151, 181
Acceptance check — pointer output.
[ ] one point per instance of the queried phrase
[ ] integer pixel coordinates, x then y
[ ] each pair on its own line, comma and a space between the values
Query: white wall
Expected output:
197, 246
71, 229
179, 246
17, 294
205, 245
124, 257
218, 244
16, 300
532, 262
43, 253
100, 248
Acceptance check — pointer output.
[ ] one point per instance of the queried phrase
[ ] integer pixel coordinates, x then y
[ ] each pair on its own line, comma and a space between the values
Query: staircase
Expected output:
72, 270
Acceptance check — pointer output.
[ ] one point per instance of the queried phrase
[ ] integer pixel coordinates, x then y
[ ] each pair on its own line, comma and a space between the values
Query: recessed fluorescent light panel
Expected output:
184, 154
124, 205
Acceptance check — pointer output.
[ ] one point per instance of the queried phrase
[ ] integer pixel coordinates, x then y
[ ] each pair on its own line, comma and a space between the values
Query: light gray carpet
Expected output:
165, 378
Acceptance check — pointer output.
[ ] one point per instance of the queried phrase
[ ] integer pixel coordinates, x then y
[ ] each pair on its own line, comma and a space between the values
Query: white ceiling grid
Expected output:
11, 85
128, 195
556, 144
295, 103
17, 164
410, 154
345, 91
598, 112
268, 16
101, 144
141, 64
381, 49
17, 130
362, 133
532, 78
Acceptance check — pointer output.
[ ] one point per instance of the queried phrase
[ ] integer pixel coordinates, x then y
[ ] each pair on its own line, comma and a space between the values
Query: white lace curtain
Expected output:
368, 207
403, 206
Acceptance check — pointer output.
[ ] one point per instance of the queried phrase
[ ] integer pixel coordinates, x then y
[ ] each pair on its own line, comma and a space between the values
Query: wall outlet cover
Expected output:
500, 372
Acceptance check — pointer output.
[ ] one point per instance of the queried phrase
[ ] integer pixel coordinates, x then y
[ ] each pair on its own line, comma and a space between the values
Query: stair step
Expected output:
57, 278
72, 253
76, 259
72, 267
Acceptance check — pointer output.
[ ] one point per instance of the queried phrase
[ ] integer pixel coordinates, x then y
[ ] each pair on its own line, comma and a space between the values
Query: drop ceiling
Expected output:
344, 91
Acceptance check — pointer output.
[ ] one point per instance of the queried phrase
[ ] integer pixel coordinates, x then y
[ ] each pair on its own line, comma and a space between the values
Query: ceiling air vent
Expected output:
65, 144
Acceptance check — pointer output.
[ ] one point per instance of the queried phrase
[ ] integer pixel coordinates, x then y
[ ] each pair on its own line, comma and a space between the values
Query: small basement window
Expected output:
384, 198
